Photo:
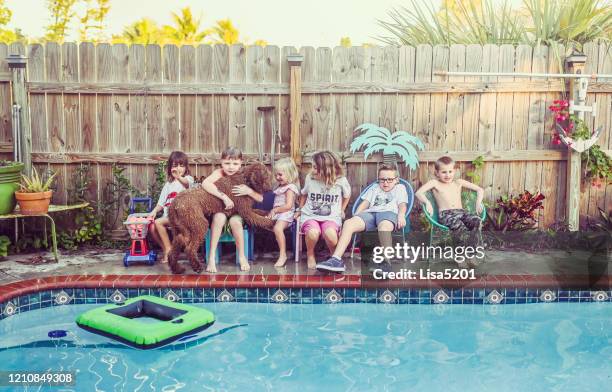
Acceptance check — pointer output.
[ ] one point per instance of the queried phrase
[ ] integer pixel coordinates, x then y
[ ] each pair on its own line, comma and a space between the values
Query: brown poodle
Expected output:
191, 211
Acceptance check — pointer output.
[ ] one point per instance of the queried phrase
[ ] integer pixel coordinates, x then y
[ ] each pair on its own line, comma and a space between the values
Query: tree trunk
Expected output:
390, 159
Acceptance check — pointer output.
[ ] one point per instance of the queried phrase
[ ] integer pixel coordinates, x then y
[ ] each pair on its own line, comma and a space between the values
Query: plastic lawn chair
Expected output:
409, 204
265, 205
228, 237
469, 203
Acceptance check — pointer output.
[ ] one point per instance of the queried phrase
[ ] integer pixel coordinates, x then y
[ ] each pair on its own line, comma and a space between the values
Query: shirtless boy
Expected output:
447, 192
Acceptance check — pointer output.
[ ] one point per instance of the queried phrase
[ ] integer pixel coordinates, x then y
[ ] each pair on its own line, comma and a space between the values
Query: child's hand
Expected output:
429, 209
401, 222
271, 213
175, 172
479, 208
152, 214
297, 214
241, 190
229, 204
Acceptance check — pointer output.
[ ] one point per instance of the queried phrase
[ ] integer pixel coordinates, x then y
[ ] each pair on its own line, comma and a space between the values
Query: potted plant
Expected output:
10, 173
35, 194
400, 143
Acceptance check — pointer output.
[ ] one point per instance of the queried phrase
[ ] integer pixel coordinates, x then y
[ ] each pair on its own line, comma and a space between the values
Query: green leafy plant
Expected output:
375, 138
35, 183
597, 166
515, 213
117, 194
160, 179
474, 175
5, 243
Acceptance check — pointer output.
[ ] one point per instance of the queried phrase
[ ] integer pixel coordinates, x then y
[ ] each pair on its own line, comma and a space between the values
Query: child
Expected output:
383, 208
447, 192
286, 175
231, 163
178, 179
323, 200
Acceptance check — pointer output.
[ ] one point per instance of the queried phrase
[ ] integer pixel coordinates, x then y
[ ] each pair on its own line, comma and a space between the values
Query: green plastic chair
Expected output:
468, 200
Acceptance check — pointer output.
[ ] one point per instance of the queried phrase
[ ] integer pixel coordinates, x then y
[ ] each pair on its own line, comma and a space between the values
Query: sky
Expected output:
279, 22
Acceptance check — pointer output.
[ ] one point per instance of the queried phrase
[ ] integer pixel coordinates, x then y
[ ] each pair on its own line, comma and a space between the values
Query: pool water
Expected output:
354, 347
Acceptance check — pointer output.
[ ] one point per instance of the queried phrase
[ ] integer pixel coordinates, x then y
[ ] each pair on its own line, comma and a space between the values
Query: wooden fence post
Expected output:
295, 105
17, 64
575, 64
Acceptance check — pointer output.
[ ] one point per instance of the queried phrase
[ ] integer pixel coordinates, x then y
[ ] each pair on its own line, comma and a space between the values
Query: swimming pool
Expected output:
356, 347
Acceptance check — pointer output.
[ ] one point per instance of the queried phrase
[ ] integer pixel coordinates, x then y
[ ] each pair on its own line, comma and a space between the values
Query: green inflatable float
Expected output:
121, 321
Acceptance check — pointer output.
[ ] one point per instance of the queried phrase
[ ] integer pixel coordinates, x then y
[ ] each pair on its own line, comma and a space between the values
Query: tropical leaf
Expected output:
376, 139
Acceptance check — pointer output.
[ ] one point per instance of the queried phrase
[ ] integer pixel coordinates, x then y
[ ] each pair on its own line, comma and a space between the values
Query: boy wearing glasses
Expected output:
383, 208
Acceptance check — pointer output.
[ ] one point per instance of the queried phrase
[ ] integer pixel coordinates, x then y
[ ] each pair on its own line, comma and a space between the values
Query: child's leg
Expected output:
330, 232
153, 232
350, 227
279, 233
385, 228
216, 227
160, 227
471, 221
312, 231
236, 226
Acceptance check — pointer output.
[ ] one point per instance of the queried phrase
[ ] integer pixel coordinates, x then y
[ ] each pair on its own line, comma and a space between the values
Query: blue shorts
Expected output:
373, 219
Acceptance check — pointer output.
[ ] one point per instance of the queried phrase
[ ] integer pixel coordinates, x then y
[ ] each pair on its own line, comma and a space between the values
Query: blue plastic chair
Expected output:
248, 233
266, 205
409, 204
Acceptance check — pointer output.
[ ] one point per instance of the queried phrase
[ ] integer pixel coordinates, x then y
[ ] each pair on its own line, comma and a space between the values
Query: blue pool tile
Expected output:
307, 300
574, 293
456, 293
478, 301
46, 304
79, 293
509, 300
252, 293
468, 300
90, 293
563, 293
522, 293
307, 293
45, 296
533, 293
132, 293
574, 299
91, 300
425, 300
521, 300
586, 299
585, 294
425, 294
563, 299
79, 301
468, 293
240, 294
404, 301
509, 292
404, 293
479, 293
458, 300
253, 300
414, 301
531, 300
350, 293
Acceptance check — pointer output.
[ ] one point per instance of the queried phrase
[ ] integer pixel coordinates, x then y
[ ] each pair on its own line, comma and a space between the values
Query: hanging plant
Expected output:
597, 166
392, 145
571, 129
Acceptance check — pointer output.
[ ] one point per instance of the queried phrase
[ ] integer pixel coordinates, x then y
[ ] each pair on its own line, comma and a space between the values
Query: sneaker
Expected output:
333, 264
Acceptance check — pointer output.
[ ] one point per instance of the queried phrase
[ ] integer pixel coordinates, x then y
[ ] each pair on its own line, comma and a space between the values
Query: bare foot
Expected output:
164, 259
244, 264
211, 267
312, 262
282, 259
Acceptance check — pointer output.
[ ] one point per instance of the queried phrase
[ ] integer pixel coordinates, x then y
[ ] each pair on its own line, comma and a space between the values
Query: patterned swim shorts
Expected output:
459, 220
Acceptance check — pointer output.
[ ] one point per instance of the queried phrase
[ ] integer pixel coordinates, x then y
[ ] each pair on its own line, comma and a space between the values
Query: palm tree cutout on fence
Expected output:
392, 145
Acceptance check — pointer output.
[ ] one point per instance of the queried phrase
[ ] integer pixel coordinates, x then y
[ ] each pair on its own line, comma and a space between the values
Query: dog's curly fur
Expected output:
191, 210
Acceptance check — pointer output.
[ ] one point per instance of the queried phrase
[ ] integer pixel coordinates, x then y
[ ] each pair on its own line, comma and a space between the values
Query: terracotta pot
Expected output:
33, 203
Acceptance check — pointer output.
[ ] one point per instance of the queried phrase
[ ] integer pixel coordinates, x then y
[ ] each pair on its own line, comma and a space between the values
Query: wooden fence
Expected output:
135, 104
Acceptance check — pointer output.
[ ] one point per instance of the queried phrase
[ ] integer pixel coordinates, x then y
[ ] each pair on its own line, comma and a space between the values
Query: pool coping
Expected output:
19, 288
